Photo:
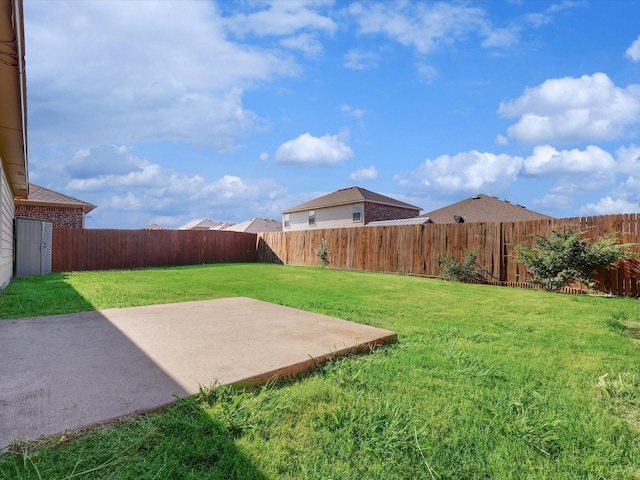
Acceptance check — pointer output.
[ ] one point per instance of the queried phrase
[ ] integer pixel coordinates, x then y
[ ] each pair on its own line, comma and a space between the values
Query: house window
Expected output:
287, 221
312, 218
357, 213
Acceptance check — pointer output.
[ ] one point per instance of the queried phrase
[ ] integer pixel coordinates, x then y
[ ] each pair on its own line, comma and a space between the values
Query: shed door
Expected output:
28, 247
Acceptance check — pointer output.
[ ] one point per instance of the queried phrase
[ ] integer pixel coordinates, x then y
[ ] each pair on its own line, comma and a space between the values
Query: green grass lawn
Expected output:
485, 382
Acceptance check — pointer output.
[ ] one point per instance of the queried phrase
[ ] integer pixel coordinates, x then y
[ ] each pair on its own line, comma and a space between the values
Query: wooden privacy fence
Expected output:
416, 249
407, 249
87, 249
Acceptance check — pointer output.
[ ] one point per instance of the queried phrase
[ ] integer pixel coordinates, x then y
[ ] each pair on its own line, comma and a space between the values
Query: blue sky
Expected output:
170, 111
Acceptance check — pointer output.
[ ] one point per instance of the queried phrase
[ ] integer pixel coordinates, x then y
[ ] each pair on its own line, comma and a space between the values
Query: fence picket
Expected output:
407, 249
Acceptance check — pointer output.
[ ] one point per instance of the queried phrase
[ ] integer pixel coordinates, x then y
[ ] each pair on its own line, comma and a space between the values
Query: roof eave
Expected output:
13, 98
304, 207
86, 207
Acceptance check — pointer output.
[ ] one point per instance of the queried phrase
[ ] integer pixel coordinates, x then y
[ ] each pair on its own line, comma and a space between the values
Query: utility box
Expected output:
33, 247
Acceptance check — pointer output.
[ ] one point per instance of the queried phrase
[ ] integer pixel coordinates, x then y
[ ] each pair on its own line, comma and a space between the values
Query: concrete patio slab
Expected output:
70, 372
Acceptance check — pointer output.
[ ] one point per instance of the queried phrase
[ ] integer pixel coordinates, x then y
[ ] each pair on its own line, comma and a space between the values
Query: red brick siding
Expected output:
68, 217
374, 212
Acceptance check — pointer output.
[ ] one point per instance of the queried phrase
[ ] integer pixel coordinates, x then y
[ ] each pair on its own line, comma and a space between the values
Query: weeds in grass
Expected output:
26, 468
485, 382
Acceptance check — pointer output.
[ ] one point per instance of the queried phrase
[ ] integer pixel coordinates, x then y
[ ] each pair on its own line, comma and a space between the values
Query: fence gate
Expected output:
33, 247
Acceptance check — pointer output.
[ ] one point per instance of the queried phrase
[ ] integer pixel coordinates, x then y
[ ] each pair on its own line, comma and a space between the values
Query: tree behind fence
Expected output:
416, 249
88, 249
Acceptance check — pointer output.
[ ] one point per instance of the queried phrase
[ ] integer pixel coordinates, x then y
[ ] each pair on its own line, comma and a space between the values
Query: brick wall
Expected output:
374, 212
67, 217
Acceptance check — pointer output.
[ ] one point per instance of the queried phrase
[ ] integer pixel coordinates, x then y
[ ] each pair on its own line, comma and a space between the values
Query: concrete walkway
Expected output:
69, 372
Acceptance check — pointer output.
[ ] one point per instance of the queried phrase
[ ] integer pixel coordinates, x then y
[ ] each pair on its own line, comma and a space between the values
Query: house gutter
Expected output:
13, 98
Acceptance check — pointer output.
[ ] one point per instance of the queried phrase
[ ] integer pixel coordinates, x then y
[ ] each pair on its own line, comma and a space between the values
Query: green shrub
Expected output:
561, 259
468, 270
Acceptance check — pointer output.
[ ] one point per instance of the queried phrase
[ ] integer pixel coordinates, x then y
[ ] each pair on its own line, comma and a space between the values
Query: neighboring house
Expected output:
206, 224
484, 209
14, 174
349, 207
256, 225
59, 209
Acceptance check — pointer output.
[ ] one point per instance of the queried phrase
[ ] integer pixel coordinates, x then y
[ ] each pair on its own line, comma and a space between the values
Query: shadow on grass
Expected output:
41, 295
67, 357
183, 440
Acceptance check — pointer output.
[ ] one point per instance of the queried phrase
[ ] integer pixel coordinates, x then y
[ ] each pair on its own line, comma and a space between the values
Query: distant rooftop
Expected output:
256, 225
348, 196
206, 224
155, 226
400, 221
483, 208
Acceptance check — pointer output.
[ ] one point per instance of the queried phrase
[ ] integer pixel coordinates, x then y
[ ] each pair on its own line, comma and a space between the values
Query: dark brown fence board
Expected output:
88, 249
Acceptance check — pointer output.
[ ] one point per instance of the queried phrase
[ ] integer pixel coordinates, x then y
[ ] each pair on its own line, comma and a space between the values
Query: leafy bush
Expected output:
322, 252
468, 270
564, 258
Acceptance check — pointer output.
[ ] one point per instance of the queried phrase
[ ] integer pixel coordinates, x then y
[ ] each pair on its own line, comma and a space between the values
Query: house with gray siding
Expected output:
14, 181
349, 207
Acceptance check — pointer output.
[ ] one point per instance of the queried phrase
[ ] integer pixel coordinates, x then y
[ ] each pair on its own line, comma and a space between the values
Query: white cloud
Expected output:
502, 140
629, 159
149, 192
308, 150
554, 201
282, 18
305, 42
608, 205
101, 160
129, 202
364, 174
426, 72
574, 171
427, 26
502, 38
352, 111
472, 172
359, 60
633, 52
176, 77
546, 160
570, 110
624, 198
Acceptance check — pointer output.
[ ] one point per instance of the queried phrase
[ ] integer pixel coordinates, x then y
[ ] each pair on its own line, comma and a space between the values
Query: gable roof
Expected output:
483, 208
205, 224
256, 225
155, 226
348, 196
43, 196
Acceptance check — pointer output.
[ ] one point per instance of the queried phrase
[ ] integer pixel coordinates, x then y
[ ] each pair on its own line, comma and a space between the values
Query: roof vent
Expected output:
477, 197
458, 219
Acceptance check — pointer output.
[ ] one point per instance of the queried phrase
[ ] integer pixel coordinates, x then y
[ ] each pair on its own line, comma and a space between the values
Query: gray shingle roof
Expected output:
206, 224
43, 196
347, 196
257, 225
483, 208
